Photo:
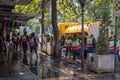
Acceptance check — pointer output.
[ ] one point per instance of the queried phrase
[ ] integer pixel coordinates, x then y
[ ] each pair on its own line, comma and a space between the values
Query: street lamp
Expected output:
82, 3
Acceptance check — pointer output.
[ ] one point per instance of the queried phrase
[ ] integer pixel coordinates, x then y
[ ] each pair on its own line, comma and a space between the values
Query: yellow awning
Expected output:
76, 29
62, 27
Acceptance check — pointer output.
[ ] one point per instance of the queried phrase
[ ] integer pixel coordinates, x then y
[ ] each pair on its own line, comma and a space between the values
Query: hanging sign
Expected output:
116, 8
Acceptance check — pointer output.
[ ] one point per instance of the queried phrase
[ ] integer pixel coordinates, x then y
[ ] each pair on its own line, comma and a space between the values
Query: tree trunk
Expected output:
56, 53
42, 23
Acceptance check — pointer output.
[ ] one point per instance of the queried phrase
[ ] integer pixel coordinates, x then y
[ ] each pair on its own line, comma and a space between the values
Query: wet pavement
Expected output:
15, 69
46, 68
49, 69
17, 72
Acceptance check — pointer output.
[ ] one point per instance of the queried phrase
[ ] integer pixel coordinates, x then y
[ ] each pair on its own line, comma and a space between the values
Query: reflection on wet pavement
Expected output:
47, 68
50, 69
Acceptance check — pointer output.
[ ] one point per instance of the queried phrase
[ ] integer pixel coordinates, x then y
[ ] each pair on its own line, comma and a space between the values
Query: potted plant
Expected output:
102, 60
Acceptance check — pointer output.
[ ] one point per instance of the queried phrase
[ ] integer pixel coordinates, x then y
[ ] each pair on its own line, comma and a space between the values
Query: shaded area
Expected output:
14, 68
5, 71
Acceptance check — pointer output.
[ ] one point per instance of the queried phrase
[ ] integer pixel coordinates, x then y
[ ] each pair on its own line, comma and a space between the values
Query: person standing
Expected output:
111, 45
68, 46
15, 41
76, 47
24, 40
91, 43
33, 46
2, 47
117, 47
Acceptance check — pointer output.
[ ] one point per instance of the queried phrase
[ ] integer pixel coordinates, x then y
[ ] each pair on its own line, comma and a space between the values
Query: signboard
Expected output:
116, 8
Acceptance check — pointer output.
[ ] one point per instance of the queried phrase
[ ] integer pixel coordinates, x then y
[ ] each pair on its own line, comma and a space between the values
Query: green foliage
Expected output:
103, 42
31, 8
68, 10
96, 7
35, 8
35, 26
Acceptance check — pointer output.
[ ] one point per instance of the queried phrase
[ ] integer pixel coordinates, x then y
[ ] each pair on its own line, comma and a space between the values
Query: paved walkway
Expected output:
17, 72
50, 69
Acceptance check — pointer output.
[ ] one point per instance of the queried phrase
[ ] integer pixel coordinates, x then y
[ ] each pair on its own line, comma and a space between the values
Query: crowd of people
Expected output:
30, 43
16, 42
74, 46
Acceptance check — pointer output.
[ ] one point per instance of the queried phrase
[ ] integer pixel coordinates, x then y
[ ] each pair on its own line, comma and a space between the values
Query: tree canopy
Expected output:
68, 10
